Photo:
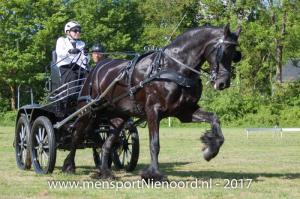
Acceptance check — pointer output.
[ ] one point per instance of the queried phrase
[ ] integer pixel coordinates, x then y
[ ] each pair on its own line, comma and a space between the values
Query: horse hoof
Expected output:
212, 145
154, 178
104, 175
68, 168
149, 175
207, 155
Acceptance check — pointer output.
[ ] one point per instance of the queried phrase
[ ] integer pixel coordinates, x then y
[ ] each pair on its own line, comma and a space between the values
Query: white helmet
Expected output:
71, 25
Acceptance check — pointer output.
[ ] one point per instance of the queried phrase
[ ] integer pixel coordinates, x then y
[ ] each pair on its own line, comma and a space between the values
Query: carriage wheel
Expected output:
126, 155
21, 143
42, 146
97, 151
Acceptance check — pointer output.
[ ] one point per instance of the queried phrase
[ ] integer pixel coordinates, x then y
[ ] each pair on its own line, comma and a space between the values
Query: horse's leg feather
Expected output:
212, 139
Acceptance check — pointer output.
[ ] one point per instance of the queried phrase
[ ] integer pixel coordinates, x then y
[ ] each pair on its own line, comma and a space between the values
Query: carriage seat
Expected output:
55, 72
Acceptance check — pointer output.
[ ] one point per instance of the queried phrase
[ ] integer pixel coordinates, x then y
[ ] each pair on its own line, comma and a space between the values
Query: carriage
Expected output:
40, 131
153, 86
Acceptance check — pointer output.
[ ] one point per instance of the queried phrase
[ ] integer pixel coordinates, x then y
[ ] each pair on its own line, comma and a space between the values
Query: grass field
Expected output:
272, 163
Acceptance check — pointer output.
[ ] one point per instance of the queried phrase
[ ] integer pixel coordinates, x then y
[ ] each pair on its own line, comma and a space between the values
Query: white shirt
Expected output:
63, 45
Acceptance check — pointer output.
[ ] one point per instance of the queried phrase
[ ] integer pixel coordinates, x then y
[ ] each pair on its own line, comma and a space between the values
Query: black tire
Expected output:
21, 145
42, 146
97, 151
126, 154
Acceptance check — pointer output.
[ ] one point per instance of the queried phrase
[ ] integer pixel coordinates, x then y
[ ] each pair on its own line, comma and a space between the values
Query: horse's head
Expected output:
220, 53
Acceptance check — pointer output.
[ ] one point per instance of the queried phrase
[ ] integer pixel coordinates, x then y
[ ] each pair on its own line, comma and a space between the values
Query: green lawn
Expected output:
272, 163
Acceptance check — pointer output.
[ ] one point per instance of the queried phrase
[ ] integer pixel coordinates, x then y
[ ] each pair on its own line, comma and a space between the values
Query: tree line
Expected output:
270, 36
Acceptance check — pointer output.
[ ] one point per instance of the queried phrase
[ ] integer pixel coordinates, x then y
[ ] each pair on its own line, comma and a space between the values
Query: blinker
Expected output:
237, 56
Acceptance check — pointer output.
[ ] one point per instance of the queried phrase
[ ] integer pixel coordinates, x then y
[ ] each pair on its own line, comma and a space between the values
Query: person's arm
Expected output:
85, 58
61, 48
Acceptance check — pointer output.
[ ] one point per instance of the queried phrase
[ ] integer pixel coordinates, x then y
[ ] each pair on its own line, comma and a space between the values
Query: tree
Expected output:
270, 34
163, 20
283, 14
28, 27
115, 24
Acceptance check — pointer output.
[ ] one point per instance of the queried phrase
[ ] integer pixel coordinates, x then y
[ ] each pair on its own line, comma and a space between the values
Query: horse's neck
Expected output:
190, 48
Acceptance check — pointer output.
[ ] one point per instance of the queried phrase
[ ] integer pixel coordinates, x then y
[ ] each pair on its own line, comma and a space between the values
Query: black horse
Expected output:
158, 85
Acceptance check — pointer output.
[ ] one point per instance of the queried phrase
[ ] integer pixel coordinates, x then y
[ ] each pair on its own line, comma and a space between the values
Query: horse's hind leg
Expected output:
105, 171
69, 163
77, 137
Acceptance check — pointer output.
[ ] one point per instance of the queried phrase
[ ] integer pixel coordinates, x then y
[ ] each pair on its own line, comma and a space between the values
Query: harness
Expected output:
157, 72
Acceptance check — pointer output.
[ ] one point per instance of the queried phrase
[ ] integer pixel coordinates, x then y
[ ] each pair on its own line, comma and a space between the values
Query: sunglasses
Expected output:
76, 30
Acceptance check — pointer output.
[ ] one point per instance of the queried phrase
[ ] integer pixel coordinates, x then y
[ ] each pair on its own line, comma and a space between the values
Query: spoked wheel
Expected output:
42, 146
21, 143
126, 155
97, 151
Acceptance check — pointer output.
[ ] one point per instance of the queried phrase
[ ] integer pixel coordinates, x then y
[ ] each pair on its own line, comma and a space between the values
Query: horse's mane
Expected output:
192, 32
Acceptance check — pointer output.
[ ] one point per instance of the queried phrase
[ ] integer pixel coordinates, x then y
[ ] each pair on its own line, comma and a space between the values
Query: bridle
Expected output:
219, 44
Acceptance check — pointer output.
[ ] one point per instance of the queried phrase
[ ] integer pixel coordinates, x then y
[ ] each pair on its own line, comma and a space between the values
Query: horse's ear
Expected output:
226, 30
238, 31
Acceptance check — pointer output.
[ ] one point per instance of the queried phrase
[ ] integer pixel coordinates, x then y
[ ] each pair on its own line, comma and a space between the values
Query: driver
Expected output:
71, 59
97, 53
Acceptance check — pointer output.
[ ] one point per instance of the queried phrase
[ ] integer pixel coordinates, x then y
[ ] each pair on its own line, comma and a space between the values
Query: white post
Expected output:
169, 121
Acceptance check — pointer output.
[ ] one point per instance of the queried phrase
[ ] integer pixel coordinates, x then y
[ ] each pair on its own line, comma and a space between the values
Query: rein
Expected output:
188, 67
156, 73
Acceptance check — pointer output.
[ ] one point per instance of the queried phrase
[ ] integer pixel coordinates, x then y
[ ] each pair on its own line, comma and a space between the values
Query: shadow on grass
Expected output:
80, 170
170, 169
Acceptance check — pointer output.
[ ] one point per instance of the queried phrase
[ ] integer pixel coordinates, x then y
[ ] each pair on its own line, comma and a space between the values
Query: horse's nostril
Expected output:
221, 85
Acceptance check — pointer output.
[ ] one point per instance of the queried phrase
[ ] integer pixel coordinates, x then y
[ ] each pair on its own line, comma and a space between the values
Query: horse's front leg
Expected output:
212, 139
152, 172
